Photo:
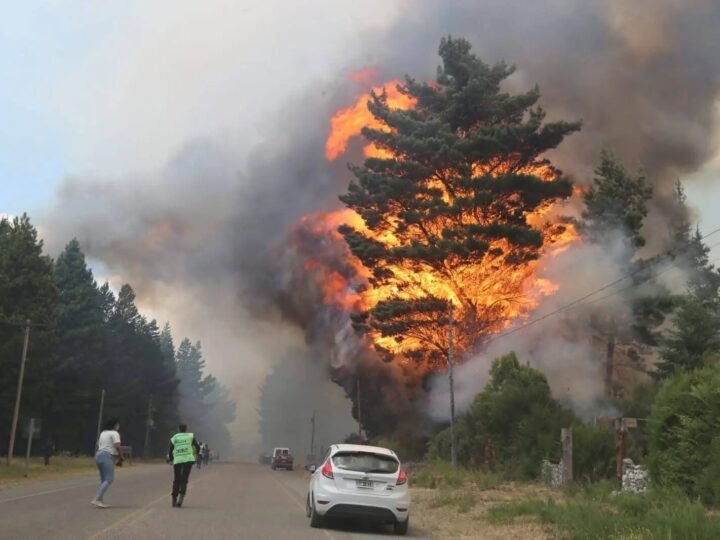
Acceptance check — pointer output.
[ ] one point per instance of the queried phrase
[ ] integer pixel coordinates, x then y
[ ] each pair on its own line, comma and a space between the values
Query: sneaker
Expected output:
94, 502
101, 504
180, 500
174, 502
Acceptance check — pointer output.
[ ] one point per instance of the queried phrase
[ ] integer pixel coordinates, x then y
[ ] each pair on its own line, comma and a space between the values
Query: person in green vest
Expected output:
184, 450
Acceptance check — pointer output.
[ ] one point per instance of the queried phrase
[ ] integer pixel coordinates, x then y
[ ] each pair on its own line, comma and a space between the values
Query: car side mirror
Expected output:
311, 468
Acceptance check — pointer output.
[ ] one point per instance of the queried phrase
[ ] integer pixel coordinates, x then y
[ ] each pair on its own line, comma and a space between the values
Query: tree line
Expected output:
85, 338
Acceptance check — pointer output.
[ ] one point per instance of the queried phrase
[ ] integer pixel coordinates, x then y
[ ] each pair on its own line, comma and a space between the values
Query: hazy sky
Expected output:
117, 87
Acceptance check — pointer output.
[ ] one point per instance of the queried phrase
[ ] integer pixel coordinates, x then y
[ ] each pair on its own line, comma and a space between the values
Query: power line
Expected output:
582, 299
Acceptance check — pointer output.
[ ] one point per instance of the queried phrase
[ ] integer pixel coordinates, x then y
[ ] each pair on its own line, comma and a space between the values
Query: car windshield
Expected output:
367, 462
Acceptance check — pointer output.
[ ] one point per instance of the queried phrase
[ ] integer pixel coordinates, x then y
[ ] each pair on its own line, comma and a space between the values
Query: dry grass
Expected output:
460, 511
59, 466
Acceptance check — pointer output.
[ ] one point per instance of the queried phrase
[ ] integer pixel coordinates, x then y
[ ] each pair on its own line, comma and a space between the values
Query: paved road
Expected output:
224, 500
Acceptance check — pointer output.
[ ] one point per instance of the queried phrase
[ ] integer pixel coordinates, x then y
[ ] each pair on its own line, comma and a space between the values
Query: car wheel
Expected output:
401, 527
316, 521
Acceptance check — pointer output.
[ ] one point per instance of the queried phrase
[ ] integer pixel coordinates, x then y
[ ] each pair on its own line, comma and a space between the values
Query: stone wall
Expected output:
552, 473
635, 478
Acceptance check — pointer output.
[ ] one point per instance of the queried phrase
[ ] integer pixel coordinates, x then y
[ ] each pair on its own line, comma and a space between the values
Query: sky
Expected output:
119, 87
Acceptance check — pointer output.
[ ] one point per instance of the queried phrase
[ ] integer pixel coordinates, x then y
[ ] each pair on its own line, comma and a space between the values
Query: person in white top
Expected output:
108, 447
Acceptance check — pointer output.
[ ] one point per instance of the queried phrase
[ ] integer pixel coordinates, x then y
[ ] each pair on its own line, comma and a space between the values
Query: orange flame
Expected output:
348, 123
505, 292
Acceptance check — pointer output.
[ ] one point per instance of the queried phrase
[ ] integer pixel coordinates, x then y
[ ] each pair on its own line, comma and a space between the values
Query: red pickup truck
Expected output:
282, 459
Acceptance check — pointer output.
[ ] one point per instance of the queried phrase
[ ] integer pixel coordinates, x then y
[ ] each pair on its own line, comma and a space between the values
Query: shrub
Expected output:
593, 452
511, 426
685, 434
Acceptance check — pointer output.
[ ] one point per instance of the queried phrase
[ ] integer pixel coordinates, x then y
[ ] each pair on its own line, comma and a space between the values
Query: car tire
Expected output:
401, 527
316, 521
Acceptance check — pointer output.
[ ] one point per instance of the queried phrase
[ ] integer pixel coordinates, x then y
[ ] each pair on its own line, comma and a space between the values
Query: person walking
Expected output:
108, 448
206, 454
184, 451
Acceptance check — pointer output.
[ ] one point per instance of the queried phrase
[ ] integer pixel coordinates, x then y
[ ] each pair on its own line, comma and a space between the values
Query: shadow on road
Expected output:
369, 528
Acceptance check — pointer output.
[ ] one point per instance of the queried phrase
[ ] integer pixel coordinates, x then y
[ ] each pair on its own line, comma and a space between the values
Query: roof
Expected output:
364, 448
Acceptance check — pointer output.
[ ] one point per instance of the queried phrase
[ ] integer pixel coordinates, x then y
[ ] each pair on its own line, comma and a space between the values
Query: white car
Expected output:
357, 481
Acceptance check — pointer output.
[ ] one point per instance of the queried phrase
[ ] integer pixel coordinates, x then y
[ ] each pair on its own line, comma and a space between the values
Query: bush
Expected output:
593, 452
685, 434
511, 426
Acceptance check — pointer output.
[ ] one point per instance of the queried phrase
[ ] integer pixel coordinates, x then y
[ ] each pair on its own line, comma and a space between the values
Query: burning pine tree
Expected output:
453, 203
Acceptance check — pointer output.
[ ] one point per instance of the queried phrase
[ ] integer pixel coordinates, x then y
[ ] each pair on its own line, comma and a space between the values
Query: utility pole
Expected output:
31, 434
359, 407
18, 394
100, 415
148, 425
451, 365
312, 436
610, 357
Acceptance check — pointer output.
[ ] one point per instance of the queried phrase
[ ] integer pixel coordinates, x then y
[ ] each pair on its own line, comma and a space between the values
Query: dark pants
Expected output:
182, 475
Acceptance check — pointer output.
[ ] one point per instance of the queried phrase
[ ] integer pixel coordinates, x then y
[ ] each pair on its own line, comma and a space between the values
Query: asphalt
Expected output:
225, 500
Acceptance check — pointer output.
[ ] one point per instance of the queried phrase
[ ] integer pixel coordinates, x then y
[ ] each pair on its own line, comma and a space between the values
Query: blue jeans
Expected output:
106, 465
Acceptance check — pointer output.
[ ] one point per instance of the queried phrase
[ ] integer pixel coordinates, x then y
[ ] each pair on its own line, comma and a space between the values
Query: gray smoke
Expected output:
205, 240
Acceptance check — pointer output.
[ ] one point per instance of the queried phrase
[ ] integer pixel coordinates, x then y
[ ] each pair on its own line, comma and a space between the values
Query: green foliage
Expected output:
27, 292
616, 202
455, 195
685, 433
593, 452
660, 513
513, 424
694, 340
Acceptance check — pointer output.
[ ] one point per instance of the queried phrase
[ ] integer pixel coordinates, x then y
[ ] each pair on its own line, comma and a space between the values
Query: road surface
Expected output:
225, 500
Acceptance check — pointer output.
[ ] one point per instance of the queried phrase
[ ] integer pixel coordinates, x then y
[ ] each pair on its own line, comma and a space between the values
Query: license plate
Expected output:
365, 483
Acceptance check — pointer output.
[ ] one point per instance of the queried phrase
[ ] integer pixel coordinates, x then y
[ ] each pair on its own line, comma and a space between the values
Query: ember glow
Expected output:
488, 297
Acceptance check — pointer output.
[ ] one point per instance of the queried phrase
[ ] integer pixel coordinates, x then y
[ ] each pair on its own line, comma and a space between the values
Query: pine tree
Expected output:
694, 340
457, 177
82, 346
616, 203
27, 291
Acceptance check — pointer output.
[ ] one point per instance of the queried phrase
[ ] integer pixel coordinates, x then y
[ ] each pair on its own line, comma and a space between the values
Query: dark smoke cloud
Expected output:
642, 75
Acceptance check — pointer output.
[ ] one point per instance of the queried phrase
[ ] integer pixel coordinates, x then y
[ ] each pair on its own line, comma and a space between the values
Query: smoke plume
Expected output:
208, 239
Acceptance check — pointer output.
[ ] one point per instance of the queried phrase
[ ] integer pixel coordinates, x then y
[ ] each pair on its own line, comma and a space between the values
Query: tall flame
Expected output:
512, 292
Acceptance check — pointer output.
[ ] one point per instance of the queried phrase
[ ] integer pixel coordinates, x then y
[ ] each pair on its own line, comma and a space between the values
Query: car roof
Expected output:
363, 448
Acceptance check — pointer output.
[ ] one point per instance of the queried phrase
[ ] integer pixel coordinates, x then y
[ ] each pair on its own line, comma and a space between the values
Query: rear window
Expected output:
282, 452
366, 462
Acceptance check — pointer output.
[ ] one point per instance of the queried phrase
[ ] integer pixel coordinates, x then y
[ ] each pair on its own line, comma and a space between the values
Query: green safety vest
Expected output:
183, 451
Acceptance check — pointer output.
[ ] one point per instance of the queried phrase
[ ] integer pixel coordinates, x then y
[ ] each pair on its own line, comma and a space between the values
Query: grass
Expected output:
462, 501
594, 513
441, 474
59, 466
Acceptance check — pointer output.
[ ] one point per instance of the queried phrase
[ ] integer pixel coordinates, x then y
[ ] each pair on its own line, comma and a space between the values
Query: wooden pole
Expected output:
451, 366
566, 437
100, 415
18, 394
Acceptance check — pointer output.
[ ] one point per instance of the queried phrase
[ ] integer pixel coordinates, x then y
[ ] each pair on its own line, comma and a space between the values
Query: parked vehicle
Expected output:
282, 459
358, 481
